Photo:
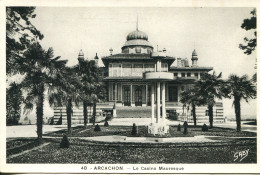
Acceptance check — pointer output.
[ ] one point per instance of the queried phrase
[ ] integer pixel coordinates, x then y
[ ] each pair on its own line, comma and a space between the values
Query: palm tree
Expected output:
92, 88
98, 91
39, 68
67, 92
84, 73
239, 88
14, 101
210, 88
192, 98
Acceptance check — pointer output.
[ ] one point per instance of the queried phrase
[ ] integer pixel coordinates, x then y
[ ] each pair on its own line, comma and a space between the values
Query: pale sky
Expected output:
215, 33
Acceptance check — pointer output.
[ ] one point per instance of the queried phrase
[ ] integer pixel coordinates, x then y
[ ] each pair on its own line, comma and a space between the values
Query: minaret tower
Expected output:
96, 60
194, 58
81, 55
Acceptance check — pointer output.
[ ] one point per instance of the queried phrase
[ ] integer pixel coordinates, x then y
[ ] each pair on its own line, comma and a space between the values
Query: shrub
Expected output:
205, 128
108, 117
59, 121
64, 142
97, 128
51, 120
179, 128
185, 126
134, 129
106, 124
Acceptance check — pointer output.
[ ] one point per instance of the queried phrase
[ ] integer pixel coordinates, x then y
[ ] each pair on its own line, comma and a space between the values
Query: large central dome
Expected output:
137, 42
137, 34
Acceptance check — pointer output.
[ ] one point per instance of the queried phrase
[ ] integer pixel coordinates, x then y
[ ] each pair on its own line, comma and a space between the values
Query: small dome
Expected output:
137, 35
81, 53
194, 53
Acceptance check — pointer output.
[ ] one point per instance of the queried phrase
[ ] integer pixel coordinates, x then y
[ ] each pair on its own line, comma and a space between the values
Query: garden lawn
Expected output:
90, 153
80, 131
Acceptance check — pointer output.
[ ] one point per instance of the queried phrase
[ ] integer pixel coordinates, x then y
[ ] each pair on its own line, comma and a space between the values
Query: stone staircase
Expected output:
126, 116
133, 112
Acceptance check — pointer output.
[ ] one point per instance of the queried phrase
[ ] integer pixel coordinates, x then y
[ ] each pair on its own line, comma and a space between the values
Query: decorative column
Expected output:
131, 95
152, 101
157, 77
115, 92
158, 101
163, 101
146, 94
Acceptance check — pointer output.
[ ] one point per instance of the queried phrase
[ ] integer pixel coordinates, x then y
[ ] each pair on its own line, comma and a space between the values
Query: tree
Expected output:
210, 88
14, 101
20, 33
194, 99
67, 92
249, 24
92, 88
239, 88
98, 91
84, 73
40, 70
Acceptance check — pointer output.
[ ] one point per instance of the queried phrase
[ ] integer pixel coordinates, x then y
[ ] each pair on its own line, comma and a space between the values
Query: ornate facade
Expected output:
129, 88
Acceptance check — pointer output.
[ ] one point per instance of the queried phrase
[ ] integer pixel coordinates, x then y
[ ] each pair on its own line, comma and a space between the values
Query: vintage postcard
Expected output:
129, 87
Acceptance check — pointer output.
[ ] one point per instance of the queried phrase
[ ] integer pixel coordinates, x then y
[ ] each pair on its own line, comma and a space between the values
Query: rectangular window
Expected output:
115, 91
182, 74
207, 113
196, 75
175, 74
188, 74
164, 67
173, 93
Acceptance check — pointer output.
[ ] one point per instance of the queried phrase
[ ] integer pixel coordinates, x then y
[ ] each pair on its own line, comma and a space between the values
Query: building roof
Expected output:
137, 34
173, 68
129, 56
194, 53
137, 42
138, 78
132, 78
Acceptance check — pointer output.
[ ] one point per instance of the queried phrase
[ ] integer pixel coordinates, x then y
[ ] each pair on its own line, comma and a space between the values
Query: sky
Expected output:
215, 33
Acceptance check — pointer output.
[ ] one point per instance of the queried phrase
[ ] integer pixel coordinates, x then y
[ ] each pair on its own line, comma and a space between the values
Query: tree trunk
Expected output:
194, 114
85, 113
210, 108
39, 113
69, 111
237, 112
94, 113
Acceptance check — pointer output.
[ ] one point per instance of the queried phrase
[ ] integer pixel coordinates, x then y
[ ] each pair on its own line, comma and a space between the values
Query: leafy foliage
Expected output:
249, 24
179, 127
134, 130
40, 70
205, 128
97, 128
91, 87
185, 126
106, 123
20, 33
193, 98
14, 101
64, 142
239, 88
210, 88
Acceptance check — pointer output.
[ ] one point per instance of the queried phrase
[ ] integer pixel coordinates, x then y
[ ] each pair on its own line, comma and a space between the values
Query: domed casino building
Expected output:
140, 75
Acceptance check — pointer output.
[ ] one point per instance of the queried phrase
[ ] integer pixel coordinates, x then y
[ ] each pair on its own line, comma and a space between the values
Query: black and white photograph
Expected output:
137, 88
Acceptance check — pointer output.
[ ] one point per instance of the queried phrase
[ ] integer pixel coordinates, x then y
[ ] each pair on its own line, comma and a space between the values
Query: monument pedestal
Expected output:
158, 128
